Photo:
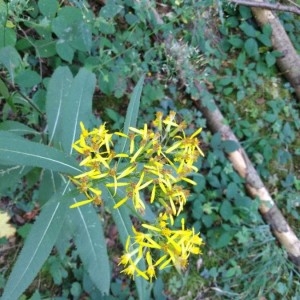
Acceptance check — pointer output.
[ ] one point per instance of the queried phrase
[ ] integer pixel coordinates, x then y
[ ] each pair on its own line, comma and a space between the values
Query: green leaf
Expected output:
236, 42
251, 47
110, 9
37, 248
73, 28
214, 181
10, 58
240, 62
248, 29
4, 90
8, 37
58, 88
226, 210
10, 176
15, 150
48, 7
28, 78
91, 245
245, 12
64, 50
105, 27
132, 114
265, 40
49, 183
17, 128
120, 215
76, 107
76, 290
230, 146
270, 59
45, 48
219, 238
232, 190
225, 81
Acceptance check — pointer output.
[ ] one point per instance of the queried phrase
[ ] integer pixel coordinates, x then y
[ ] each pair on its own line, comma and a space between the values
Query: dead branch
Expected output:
271, 6
289, 62
239, 158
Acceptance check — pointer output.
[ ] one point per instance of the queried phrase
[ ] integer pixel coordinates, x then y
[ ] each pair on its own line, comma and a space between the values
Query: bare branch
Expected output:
271, 6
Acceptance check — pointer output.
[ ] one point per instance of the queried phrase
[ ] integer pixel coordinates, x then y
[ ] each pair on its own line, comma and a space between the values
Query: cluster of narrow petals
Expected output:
158, 161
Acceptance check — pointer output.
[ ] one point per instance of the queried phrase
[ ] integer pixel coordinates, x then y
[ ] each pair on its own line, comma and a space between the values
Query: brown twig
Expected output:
271, 6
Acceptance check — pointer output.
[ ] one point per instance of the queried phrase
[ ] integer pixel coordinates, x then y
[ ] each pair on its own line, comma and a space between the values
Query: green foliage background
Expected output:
68, 61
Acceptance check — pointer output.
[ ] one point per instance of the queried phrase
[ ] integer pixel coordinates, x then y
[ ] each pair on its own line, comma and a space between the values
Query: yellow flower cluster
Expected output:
174, 247
160, 158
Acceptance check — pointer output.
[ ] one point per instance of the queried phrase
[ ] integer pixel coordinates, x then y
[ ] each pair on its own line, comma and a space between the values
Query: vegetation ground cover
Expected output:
51, 49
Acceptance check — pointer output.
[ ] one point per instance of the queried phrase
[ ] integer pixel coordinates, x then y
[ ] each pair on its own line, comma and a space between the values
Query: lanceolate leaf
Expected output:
37, 248
91, 245
50, 182
15, 150
132, 113
77, 107
58, 89
120, 215
17, 128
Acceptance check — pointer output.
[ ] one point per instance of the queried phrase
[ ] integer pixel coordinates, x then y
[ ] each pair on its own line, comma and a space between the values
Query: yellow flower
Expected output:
159, 160
151, 268
133, 270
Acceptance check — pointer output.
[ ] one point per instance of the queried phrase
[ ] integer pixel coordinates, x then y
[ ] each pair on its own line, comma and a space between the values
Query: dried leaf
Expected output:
6, 230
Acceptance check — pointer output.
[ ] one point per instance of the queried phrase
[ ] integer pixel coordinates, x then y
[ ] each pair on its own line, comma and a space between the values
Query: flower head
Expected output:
154, 171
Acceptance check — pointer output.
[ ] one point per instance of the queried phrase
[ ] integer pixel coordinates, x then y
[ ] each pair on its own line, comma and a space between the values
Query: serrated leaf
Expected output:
251, 47
240, 62
226, 210
225, 80
91, 245
37, 247
265, 39
15, 150
58, 89
248, 29
221, 239
230, 146
232, 190
270, 59
236, 42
